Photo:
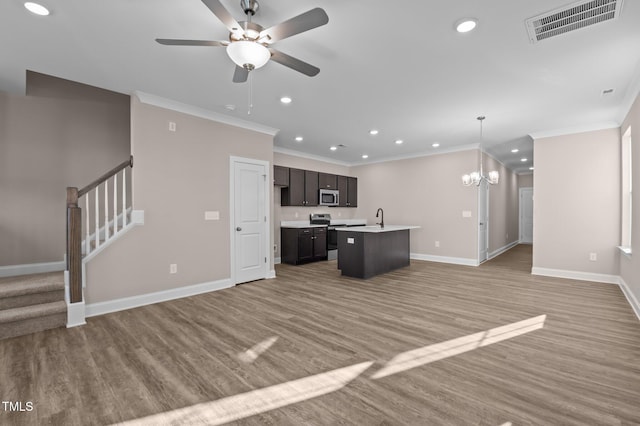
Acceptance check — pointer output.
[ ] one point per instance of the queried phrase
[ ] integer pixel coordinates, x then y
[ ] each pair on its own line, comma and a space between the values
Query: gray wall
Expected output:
177, 176
425, 191
67, 137
630, 265
503, 208
577, 202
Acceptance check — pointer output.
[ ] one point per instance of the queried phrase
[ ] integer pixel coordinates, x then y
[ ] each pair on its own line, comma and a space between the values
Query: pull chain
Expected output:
250, 103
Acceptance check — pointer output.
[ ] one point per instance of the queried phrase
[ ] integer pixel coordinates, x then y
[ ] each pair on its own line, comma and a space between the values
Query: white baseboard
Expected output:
32, 268
76, 314
101, 308
277, 260
444, 259
631, 298
576, 275
75, 311
502, 249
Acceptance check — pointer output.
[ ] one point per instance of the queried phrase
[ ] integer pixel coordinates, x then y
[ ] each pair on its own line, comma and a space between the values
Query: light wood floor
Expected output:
581, 368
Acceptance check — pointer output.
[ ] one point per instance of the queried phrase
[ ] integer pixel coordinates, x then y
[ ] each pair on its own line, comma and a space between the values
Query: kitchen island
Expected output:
366, 251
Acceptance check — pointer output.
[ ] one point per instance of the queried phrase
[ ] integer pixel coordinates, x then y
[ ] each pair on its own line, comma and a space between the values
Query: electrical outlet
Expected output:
172, 126
173, 268
593, 257
437, 243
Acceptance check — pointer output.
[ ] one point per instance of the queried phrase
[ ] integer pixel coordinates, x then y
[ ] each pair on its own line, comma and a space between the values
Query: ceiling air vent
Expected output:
572, 17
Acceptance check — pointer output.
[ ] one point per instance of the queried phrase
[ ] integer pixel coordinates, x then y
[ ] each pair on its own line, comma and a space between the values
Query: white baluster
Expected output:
106, 210
87, 226
115, 204
97, 217
124, 197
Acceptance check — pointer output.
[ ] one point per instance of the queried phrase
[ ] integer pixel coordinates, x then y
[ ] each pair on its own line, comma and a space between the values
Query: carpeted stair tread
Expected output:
31, 284
33, 311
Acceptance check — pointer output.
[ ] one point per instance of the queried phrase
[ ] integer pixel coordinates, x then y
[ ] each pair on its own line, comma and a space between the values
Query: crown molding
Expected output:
575, 129
434, 151
294, 153
149, 99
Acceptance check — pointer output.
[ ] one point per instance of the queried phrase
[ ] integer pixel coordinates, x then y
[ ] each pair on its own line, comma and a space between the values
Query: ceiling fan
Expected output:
249, 43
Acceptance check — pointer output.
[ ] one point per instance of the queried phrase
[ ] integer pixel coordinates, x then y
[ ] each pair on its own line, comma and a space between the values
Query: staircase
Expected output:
31, 303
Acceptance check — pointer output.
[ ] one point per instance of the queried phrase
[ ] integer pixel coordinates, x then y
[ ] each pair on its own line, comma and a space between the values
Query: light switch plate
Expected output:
211, 215
351, 241
466, 213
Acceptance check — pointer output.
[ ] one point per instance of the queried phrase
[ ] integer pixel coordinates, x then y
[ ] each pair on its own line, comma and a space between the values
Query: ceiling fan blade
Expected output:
173, 42
240, 75
293, 63
224, 16
296, 25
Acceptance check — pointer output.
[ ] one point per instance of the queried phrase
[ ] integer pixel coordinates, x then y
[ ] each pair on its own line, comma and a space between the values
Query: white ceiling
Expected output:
395, 66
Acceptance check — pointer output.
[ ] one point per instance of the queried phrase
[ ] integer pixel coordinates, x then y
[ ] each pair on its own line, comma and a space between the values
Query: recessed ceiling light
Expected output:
285, 100
399, 141
365, 156
523, 159
530, 168
466, 25
230, 107
514, 150
333, 148
36, 8
299, 138
435, 145
373, 132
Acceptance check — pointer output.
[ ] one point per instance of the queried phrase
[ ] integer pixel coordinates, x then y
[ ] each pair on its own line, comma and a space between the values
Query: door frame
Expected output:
232, 211
520, 192
483, 190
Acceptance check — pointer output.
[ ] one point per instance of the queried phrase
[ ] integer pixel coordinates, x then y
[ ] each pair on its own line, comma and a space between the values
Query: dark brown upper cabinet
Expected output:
348, 189
327, 181
302, 189
280, 176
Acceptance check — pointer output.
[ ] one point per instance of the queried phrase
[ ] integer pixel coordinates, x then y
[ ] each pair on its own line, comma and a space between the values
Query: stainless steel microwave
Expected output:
329, 197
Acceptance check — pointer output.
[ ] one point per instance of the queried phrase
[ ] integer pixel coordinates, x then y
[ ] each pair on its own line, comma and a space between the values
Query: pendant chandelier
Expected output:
476, 177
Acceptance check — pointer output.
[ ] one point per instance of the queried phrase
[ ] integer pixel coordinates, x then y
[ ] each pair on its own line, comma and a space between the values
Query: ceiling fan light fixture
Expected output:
465, 25
248, 54
36, 9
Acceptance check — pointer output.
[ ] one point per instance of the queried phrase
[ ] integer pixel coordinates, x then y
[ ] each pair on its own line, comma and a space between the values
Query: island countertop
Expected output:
377, 228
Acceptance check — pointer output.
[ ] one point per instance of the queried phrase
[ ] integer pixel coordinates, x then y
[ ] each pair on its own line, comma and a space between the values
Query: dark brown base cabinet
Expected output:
302, 245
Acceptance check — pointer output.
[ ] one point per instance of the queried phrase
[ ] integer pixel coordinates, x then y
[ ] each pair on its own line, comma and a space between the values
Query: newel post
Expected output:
74, 243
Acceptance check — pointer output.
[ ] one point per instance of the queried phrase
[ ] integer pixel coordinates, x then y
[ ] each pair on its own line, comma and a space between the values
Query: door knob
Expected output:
238, 229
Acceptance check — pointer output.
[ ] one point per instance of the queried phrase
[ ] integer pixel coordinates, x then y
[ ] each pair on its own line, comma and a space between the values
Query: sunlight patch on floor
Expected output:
258, 349
255, 402
438, 351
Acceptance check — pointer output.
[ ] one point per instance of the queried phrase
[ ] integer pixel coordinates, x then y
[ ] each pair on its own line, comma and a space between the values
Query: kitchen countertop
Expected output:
306, 224
299, 224
377, 228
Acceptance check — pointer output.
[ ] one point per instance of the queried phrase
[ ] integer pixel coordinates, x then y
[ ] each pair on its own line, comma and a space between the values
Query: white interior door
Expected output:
526, 215
483, 222
249, 221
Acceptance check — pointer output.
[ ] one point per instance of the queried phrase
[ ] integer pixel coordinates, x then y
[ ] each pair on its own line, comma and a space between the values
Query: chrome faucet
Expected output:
381, 213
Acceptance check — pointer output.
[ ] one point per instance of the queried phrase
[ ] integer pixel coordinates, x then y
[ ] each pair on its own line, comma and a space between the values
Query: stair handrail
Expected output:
74, 230
104, 177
